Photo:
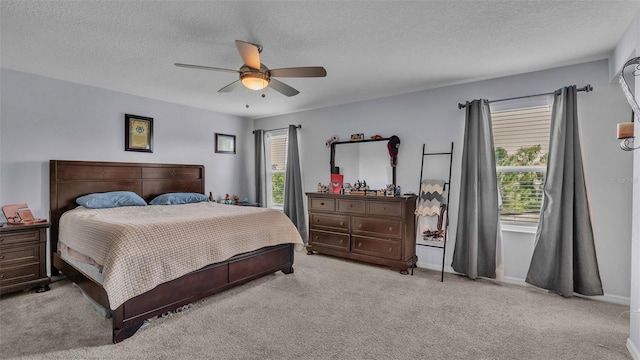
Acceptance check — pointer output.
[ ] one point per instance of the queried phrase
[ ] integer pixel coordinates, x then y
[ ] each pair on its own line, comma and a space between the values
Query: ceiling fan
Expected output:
256, 76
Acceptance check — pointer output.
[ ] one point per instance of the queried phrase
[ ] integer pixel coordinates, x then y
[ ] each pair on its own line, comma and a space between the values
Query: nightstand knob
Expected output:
390, 228
359, 244
359, 226
341, 223
316, 237
1, 239
1, 257
390, 249
322, 203
341, 241
1, 276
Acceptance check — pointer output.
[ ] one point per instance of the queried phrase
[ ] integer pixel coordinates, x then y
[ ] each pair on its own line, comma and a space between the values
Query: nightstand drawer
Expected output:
329, 239
15, 255
351, 206
385, 208
321, 204
377, 227
19, 237
387, 249
17, 274
330, 222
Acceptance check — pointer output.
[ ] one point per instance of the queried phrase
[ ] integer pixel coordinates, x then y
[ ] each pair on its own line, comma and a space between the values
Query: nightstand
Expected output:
23, 257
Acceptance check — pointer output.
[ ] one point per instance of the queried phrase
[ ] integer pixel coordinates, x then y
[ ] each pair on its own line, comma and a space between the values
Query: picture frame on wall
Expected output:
225, 143
138, 133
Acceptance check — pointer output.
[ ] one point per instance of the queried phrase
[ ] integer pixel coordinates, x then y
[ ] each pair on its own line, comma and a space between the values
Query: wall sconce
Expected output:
626, 131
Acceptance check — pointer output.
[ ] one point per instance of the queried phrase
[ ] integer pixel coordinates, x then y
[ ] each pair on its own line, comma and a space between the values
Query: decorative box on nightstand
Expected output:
23, 257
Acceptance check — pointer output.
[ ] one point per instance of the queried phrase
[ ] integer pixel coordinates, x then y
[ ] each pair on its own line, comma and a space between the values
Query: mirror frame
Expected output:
332, 161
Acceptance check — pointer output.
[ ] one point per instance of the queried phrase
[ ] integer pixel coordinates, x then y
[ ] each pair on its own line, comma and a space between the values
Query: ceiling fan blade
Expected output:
250, 54
307, 71
229, 88
204, 67
282, 88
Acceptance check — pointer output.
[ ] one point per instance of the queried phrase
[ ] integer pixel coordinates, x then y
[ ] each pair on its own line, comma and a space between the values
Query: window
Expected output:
521, 142
276, 154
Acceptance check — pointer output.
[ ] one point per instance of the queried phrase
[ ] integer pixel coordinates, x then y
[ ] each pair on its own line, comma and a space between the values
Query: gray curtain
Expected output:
478, 230
259, 167
293, 189
564, 258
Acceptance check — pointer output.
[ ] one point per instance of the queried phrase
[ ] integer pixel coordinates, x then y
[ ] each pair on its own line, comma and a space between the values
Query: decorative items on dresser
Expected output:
373, 229
23, 257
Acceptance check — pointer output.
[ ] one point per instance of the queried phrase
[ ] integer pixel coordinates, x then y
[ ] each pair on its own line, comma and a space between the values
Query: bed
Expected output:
71, 179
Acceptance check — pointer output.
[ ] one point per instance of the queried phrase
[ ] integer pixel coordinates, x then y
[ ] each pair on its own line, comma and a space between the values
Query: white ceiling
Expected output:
370, 49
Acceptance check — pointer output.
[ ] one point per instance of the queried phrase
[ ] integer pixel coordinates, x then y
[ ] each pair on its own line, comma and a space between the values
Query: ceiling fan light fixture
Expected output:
254, 81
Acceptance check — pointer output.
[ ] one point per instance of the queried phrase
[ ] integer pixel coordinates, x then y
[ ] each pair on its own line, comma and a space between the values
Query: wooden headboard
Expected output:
71, 179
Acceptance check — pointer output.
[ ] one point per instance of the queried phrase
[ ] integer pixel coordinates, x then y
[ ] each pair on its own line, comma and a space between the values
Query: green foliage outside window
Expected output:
277, 188
521, 191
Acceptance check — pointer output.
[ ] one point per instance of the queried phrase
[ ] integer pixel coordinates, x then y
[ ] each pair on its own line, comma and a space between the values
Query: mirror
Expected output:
366, 160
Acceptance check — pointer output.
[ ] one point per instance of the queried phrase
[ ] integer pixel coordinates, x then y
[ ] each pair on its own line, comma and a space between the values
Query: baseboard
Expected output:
633, 350
621, 300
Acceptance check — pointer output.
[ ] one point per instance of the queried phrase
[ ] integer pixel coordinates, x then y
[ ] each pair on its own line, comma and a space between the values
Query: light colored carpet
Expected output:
330, 309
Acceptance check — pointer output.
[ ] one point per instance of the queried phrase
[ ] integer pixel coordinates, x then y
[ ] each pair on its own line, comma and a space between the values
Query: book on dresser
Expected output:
373, 229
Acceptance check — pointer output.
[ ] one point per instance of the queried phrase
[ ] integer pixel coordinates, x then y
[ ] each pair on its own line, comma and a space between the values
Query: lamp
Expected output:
254, 81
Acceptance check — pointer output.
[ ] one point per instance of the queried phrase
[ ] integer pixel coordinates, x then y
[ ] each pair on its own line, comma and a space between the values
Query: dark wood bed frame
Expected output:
70, 179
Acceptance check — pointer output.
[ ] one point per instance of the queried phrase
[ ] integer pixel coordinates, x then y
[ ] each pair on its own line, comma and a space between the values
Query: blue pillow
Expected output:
110, 199
178, 198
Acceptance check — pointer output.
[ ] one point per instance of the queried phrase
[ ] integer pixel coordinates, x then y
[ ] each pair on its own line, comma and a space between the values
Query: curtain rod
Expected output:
587, 88
284, 128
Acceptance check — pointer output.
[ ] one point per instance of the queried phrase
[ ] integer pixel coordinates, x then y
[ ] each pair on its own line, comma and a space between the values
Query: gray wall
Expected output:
432, 117
43, 119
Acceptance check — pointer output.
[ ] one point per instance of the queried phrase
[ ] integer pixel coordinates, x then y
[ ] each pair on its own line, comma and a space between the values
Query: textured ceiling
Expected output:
370, 49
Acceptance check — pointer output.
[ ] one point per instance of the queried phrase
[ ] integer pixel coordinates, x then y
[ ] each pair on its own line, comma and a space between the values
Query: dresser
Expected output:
373, 229
23, 257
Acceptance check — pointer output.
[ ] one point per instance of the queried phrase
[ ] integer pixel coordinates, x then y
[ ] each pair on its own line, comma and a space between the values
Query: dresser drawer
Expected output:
321, 204
330, 222
385, 208
17, 274
14, 255
329, 239
387, 249
351, 206
19, 237
377, 227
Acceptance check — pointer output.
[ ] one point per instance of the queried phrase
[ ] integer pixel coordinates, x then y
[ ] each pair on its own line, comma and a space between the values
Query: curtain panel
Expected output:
478, 239
293, 188
564, 258
259, 167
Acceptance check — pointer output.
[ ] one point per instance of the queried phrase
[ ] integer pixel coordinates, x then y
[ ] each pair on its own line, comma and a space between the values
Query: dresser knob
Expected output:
359, 226
359, 244
341, 241
1, 276
1, 239
316, 237
390, 249
390, 228
1, 256
341, 223
318, 220
322, 203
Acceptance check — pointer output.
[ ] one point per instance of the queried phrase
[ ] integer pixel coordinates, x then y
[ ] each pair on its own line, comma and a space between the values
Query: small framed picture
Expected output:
138, 133
357, 137
225, 144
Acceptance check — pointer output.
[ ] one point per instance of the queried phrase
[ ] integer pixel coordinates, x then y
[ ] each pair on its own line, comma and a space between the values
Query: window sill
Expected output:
520, 228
